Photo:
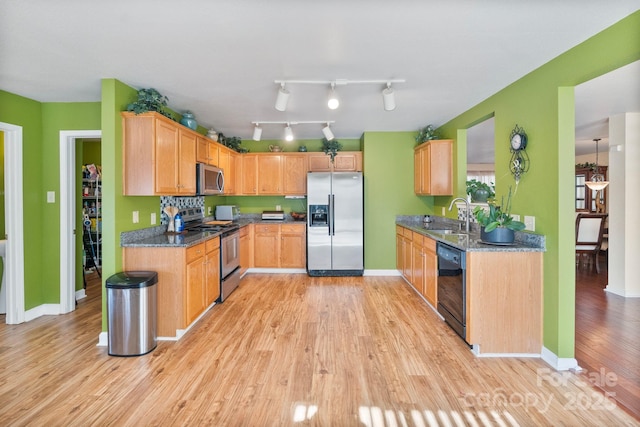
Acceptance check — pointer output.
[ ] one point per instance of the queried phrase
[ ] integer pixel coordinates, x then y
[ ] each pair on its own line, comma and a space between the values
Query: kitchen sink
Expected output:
446, 232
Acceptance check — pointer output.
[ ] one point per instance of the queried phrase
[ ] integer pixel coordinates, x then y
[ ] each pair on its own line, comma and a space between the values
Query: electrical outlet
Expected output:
153, 218
278, 207
443, 211
209, 210
515, 217
51, 196
136, 217
530, 223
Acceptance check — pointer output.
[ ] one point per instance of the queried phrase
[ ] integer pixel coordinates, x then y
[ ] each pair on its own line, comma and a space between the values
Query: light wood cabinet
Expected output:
246, 248
280, 245
249, 181
293, 246
433, 168
424, 265
294, 174
403, 248
188, 281
430, 271
206, 151
346, 161
159, 156
227, 162
267, 245
270, 174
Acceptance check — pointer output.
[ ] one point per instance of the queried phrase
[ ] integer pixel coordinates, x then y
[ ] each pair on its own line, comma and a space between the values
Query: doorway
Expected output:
14, 222
68, 214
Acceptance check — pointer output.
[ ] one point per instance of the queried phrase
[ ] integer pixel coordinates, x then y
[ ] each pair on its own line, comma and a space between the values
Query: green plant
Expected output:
425, 134
496, 217
474, 185
331, 147
150, 100
232, 142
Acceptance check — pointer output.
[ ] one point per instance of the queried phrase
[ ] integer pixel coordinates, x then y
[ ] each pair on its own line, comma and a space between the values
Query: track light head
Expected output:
389, 98
327, 132
257, 132
333, 101
283, 98
288, 133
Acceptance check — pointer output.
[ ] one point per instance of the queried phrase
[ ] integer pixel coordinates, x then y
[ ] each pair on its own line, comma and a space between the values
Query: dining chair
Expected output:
589, 232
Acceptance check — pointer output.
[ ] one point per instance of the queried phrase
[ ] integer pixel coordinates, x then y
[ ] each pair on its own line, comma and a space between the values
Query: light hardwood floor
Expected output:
286, 350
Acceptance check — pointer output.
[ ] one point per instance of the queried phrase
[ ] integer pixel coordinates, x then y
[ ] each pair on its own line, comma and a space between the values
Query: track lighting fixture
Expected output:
283, 98
388, 94
257, 132
288, 133
327, 132
388, 98
333, 101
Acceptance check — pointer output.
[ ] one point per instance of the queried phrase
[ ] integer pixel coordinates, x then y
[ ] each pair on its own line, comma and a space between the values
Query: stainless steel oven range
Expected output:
229, 248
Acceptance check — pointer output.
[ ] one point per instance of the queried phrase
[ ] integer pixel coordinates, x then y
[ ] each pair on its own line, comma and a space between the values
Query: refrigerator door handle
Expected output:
329, 216
333, 214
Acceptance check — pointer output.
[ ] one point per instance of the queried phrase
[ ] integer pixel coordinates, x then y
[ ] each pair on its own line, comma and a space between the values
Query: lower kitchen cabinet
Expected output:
403, 247
280, 245
246, 248
424, 267
188, 281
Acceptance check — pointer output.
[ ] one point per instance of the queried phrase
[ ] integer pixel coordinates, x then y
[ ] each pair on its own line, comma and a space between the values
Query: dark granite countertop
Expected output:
154, 237
525, 241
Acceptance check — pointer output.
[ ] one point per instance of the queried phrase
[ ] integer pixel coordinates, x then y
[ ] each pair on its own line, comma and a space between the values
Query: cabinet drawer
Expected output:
195, 252
244, 231
417, 238
293, 228
212, 244
267, 228
429, 244
408, 233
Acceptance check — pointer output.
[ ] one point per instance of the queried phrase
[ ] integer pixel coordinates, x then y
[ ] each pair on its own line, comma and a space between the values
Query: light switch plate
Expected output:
530, 223
515, 217
153, 218
51, 196
136, 217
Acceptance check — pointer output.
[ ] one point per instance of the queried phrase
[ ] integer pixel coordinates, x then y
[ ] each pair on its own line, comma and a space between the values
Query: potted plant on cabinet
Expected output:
150, 100
497, 225
331, 148
425, 134
479, 191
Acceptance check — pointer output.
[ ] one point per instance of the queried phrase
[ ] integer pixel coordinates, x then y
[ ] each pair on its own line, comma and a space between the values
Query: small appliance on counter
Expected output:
227, 212
273, 215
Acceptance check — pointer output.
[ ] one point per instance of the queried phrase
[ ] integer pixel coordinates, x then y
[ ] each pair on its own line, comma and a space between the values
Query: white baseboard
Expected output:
277, 270
80, 294
382, 273
42, 310
103, 339
557, 363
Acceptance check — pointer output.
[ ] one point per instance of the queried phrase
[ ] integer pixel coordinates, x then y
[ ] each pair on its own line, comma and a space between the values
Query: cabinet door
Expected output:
417, 172
319, 162
441, 167
417, 263
399, 256
249, 182
293, 246
167, 159
202, 150
195, 283
295, 174
212, 271
267, 245
246, 248
270, 174
406, 255
430, 271
187, 163
348, 162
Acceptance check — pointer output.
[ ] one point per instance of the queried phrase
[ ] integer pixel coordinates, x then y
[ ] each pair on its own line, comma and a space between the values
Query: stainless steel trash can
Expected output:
132, 313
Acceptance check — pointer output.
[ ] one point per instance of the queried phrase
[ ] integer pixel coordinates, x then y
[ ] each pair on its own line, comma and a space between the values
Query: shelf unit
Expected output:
92, 212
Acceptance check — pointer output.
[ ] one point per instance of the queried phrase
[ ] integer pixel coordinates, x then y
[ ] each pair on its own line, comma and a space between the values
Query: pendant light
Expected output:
597, 182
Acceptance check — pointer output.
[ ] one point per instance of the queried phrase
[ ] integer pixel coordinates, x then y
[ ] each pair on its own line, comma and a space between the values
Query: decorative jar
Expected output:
189, 120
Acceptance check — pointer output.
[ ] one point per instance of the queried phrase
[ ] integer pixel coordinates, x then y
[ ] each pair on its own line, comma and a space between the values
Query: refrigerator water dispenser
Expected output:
319, 215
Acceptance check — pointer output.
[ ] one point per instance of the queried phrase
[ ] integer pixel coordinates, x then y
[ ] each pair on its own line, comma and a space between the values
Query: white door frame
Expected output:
14, 222
68, 215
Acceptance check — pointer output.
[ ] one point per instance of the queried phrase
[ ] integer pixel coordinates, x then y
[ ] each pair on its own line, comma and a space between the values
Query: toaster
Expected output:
227, 212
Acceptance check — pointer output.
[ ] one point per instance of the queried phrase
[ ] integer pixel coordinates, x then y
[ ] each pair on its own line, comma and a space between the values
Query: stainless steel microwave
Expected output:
209, 180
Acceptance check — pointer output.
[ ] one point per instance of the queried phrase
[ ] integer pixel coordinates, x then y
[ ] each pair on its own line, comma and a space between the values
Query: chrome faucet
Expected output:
466, 202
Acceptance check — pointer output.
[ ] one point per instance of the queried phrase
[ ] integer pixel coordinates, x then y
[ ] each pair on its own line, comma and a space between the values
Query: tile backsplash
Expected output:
180, 202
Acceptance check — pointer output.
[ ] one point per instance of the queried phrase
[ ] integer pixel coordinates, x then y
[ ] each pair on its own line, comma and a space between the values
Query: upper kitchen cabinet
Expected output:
159, 156
270, 174
207, 151
294, 174
249, 180
433, 168
346, 161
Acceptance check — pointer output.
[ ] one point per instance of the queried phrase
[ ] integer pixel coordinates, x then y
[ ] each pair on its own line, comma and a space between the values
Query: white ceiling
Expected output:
219, 59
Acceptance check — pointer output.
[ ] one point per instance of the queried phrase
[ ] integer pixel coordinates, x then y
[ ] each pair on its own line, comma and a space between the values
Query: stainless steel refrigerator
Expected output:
335, 225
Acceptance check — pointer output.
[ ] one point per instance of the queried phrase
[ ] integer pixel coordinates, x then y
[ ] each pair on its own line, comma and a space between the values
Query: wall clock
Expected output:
519, 162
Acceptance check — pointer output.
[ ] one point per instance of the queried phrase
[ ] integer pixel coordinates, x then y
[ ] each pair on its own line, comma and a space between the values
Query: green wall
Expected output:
542, 103
24, 112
